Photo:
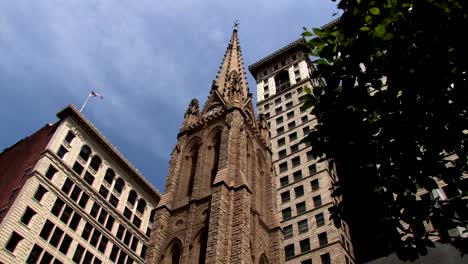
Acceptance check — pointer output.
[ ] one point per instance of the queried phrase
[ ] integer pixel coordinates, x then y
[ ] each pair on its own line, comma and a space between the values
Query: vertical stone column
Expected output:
240, 238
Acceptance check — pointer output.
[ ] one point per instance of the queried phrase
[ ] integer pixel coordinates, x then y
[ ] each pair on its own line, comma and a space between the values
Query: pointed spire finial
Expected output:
236, 24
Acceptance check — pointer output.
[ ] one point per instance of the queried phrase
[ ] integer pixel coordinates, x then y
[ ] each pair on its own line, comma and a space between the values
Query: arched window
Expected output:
152, 215
198, 252
217, 149
85, 152
173, 253
193, 168
109, 177
282, 81
95, 162
132, 196
119, 184
263, 259
141, 206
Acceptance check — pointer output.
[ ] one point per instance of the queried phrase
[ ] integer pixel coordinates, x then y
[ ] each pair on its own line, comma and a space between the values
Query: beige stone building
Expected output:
303, 184
68, 196
219, 205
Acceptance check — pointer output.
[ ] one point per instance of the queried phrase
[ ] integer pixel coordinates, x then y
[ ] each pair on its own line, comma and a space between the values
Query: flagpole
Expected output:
86, 101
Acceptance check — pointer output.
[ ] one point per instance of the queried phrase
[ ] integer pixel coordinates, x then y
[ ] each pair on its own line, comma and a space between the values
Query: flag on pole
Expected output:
96, 95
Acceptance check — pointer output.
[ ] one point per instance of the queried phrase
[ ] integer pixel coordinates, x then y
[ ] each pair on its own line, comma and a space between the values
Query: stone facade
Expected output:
72, 198
219, 204
303, 184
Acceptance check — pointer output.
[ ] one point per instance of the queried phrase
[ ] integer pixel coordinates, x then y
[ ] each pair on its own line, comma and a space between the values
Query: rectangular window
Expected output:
315, 185
114, 253
286, 213
325, 258
320, 220
120, 232
310, 156
285, 197
288, 231
289, 105
50, 172
282, 154
46, 230
312, 169
317, 201
148, 231
266, 95
95, 238
300, 90
128, 237
103, 244
75, 193
278, 101
83, 200
40, 193
67, 185
113, 200
280, 130
89, 178
137, 221
297, 175
266, 107
28, 215
47, 257
279, 120
304, 119
289, 251
296, 161
69, 137
292, 136
301, 208
303, 226
307, 261
283, 167
88, 257
305, 245
87, 231
299, 191
127, 213
78, 254
78, 168
305, 130
323, 239
284, 181
294, 148
134, 243
56, 236
290, 115
57, 208
143, 251
110, 222
95, 210
103, 192
66, 214
278, 110
35, 254
61, 152
102, 217
13, 242
65, 244
287, 96
122, 257
292, 125
75, 221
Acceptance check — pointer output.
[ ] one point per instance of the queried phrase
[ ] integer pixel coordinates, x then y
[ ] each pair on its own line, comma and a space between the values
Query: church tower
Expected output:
219, 205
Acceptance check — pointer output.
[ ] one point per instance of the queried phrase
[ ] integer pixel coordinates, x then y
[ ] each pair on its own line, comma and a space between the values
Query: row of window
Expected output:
303, 226
299, 190
301, 207
297, 176
304, 245
282, 81
275, 67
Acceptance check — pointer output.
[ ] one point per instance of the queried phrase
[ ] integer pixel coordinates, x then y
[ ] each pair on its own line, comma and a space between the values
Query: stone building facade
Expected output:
219, 205
68, 196
303, 184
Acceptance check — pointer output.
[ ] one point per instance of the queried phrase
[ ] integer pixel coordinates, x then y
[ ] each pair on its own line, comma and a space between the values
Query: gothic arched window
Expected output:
85, 152
217, 149
95, 162
193, 168
132, 196
282, 81
173, 253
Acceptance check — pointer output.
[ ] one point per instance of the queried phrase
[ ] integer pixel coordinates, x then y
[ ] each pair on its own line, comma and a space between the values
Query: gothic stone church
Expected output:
219, 205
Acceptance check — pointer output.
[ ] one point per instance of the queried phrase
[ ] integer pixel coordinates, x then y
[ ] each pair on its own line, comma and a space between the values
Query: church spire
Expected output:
231, 82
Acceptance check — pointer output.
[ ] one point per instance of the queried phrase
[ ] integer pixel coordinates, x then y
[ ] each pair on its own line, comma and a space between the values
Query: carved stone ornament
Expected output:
193, 108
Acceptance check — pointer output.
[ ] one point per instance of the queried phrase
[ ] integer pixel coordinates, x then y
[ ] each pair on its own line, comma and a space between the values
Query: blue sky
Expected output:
148, 58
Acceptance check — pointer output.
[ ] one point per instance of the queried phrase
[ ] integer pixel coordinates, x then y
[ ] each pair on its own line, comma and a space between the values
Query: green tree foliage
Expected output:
393, 116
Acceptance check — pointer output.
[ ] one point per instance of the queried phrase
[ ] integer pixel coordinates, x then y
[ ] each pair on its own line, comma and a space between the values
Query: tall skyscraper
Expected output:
68, 196
219, 205
303, 184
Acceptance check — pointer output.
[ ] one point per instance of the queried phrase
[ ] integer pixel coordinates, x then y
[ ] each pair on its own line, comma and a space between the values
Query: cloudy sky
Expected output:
147, 57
